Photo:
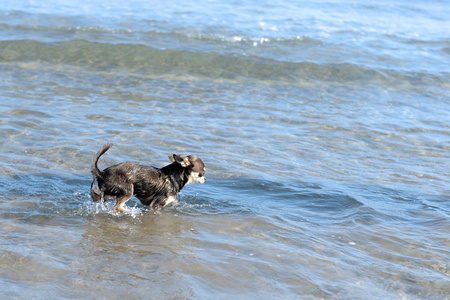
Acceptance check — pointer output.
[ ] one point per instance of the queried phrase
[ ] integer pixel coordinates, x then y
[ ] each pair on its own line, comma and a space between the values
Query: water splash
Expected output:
90, 208
185, 204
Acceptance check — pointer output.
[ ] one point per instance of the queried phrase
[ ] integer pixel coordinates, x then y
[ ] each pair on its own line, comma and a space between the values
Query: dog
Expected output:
156, 187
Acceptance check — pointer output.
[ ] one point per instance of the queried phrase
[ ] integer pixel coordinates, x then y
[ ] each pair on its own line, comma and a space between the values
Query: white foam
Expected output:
95, 208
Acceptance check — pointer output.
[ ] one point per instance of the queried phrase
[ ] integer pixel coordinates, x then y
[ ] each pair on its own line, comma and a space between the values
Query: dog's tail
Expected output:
95, 170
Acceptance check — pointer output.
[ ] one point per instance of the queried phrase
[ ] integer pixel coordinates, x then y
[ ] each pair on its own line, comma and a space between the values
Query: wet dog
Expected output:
153, 186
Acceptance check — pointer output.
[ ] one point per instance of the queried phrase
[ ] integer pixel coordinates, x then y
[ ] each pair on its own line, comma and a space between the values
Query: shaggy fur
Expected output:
153, 186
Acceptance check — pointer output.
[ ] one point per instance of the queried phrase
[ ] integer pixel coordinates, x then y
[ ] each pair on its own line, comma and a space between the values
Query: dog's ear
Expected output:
183, 161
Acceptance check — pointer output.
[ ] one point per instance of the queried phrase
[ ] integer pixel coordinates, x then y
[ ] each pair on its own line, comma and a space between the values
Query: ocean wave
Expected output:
144, 60
233, 38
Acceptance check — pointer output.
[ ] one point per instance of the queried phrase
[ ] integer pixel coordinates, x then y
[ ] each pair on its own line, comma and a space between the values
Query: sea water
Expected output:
324, 127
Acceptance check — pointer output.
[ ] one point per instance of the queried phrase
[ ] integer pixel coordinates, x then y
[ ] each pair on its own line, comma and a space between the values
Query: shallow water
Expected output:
324, 127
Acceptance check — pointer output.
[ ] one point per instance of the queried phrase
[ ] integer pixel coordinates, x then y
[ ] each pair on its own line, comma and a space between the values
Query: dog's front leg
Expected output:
154, 205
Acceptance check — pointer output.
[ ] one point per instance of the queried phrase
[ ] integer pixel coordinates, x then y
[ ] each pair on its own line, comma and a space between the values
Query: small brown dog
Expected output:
153, 186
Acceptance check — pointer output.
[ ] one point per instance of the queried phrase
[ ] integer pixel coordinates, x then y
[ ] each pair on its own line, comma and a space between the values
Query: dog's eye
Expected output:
200, 175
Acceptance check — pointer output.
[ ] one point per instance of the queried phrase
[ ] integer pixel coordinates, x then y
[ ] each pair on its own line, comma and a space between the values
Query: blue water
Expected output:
324, 127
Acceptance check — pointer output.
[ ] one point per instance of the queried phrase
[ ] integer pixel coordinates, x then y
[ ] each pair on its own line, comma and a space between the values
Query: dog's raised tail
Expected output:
95, 170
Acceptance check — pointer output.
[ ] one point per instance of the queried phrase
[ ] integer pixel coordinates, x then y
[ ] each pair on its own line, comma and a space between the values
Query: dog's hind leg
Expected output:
122, 199
96, 193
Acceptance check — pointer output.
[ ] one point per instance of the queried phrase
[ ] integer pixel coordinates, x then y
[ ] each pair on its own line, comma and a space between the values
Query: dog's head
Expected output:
195, 168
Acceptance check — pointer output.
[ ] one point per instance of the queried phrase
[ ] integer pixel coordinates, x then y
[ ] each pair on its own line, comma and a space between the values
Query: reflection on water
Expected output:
202, 247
